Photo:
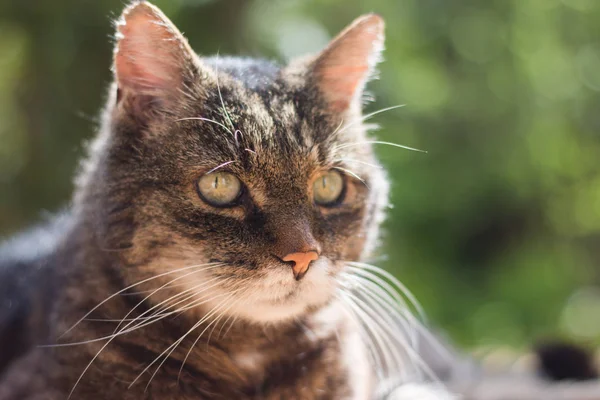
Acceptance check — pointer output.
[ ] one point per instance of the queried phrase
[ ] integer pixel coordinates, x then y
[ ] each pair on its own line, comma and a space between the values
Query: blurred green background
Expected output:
496, 229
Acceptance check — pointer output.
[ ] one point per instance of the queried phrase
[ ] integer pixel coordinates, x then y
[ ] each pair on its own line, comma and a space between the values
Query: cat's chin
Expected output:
279, 297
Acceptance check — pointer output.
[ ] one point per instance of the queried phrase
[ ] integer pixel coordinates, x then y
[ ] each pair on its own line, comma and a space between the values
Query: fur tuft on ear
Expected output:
344, 67
151, 56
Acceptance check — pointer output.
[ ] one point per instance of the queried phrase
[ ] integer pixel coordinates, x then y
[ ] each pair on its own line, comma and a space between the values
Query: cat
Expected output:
215, 242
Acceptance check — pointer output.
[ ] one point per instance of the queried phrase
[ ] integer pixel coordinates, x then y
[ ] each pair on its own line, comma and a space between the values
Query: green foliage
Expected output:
496, 229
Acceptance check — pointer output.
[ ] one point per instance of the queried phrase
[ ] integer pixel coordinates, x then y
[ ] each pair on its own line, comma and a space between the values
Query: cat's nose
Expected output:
301, 262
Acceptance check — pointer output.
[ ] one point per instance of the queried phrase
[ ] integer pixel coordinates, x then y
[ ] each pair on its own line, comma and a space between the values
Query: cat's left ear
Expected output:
152, 59
341, 71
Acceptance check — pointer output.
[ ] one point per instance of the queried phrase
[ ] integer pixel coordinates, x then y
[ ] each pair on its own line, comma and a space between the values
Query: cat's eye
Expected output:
328, 188
219, 189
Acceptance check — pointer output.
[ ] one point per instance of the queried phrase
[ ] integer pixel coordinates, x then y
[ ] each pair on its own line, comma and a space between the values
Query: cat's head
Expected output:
241, 183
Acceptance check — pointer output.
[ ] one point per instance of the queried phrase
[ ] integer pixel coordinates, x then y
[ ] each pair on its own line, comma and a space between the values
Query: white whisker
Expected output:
405, 320
154, 317
146, 291
129, 287
382, 356
121, 332
361, 143
403, 289
223, 310
207, 120
357, 272
351, 160
221, 96
337, 129
353, 174
391, 336
177, 342
220, 166
370, 115
162, 287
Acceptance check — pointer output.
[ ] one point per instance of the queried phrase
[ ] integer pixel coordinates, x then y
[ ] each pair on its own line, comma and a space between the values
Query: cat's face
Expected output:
248, 185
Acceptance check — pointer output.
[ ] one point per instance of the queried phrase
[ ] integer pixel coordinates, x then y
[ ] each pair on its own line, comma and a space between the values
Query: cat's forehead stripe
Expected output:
264, 121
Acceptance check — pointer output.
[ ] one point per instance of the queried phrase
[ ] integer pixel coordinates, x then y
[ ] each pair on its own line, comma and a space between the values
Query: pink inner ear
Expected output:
344, 66
150, 53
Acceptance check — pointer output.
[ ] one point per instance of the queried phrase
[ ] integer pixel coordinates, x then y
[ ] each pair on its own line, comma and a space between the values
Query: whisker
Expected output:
196, 290
365, 336
371, 289
370, 317
230, 326
373, 332
223, 324
379, 318
207, 120
220, 166
357, 272
202, 333
176, 343
221, 96
391, 335
345, 145
235, 136
337, 129
111, 320
110, 338
358, 162
353, 174
158, 315
146, 291
403, 289
129, 287
382, 357
370, 115
162, 287
394, 314
418, 327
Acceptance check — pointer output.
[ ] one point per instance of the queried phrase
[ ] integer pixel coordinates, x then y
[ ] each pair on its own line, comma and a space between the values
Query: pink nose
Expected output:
301, 262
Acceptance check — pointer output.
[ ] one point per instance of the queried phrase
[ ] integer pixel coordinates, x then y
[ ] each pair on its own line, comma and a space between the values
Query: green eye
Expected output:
219, 189
328, 188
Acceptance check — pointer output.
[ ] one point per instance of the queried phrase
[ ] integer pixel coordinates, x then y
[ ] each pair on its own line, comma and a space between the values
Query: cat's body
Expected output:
214, 245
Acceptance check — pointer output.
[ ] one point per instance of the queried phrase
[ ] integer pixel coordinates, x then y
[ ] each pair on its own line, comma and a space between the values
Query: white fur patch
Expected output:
277, 296
249, 360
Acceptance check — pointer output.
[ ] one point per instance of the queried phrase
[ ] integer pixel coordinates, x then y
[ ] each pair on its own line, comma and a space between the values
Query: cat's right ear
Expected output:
152, 59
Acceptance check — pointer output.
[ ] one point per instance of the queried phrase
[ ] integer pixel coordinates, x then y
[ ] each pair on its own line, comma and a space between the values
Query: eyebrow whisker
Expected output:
220, 166
207, 120
353, 174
